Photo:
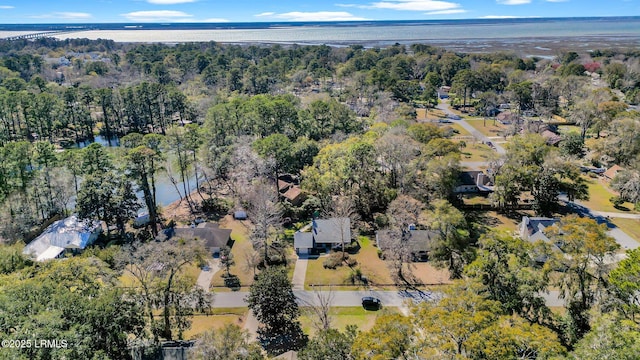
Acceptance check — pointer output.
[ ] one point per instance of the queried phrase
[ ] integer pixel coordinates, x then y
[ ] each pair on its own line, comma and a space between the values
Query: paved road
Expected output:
626, 242
354, 298
444, 106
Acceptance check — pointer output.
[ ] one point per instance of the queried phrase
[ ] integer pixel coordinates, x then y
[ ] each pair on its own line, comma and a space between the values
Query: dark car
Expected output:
369, 302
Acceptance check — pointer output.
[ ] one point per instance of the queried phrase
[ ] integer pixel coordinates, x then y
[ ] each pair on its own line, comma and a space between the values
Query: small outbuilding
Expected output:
240, 215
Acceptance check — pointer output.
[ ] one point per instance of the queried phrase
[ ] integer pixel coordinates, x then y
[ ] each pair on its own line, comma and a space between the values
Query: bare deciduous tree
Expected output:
158, 283
342, 211
318, 307
265, 213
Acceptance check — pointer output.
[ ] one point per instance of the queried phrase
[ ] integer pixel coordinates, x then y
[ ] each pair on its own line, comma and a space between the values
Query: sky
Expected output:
122, 11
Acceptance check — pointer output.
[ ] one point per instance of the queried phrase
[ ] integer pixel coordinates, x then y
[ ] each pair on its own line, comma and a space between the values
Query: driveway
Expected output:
300, 272
444, 106
206, 274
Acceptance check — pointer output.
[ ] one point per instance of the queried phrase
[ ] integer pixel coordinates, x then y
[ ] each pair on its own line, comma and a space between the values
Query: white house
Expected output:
70, 234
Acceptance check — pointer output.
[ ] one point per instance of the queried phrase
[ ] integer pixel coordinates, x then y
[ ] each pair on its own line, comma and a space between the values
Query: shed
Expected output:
240, 215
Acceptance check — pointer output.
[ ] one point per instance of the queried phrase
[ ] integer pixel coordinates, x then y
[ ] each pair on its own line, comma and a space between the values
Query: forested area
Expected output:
344, 121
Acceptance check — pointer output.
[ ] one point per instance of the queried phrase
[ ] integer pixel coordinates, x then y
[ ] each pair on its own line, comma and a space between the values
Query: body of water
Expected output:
166, 192
375, 33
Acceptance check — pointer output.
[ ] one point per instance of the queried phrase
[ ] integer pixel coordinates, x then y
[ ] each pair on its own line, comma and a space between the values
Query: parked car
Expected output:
370, 302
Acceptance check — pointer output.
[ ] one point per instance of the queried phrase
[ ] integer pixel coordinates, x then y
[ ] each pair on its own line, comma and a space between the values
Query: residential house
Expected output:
443, 92
322, 234
612, 172
473, 182
290, 191
552, 138
532, 229
419, 242
507, 118
67, 235
214, 238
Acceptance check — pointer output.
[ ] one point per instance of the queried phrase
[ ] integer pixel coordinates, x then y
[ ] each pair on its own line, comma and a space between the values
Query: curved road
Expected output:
444, 106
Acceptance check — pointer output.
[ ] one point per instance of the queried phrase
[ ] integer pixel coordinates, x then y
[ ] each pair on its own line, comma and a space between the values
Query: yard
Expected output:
630, 226
241, 247
369, 263
460, 130
219, 318
599, 195
476, 152
430, 114
492, 128
343, 316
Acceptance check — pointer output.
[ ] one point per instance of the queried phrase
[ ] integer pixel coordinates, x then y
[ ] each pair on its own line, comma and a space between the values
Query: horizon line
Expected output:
483, 18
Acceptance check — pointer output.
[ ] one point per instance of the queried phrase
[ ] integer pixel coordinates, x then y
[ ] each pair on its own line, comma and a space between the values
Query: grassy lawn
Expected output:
424, 114
428, 274
630, 226
599, 195
241, 246
369, 263
475, 151
461, 131
490, 129
343, 316
219, 318
492, 220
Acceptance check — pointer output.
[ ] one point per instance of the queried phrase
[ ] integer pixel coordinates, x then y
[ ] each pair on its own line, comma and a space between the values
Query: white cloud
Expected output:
169, 2
4, 7
408, 5
446, 12
157, 15
313, 16
64, 15
513, 2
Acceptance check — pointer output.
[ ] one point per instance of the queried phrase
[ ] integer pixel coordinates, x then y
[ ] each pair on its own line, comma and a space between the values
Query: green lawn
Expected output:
599, 196
475, 151
241, 246
343, 316
369, 263
430, 114
630, 226
490, 129
219, 318
461, 131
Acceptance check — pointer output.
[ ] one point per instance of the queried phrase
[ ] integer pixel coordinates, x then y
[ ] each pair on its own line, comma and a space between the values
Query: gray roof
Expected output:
328, 231
418, 240
69, 233
302, 240
210, 233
